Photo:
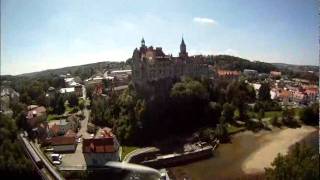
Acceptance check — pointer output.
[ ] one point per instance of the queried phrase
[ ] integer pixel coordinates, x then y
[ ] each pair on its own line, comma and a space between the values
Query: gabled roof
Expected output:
99, 145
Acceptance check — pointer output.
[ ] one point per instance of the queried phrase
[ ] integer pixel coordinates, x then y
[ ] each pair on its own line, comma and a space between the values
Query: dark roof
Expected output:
62, 140
99, 145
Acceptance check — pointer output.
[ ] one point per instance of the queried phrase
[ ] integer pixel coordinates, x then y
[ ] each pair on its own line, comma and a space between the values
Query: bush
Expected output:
310, 115
275, 121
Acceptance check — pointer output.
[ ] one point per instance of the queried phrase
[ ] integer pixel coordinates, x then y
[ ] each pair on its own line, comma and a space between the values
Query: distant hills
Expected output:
297, 68
220, 61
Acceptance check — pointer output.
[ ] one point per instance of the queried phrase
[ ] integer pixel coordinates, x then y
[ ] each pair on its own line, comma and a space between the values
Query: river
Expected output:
243, 154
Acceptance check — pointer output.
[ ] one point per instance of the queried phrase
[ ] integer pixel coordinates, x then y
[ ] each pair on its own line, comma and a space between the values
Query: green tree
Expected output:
264, 92
261, 114
59, 106
275, 121
228, 112
302, 163
13, 162
310, 115
288, 118
73, 100
221, 130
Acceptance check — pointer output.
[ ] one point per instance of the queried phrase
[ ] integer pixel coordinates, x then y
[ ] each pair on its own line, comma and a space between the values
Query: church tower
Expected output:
183, 49
143, 43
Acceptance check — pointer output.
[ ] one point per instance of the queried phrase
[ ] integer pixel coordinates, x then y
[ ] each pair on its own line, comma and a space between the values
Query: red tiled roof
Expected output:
99, 145
228, 73
55, 129
275, 73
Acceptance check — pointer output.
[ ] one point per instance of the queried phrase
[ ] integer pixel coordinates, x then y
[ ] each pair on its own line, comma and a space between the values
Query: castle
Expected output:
151, 65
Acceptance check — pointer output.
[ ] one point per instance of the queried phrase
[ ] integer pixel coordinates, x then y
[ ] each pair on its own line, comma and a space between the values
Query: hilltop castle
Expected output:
151, 65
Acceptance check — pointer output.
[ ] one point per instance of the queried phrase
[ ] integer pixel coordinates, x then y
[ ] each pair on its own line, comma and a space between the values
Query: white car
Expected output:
79, 140
56, 162
56, 157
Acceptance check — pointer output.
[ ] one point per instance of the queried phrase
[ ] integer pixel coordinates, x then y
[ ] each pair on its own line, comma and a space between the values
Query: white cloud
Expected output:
203, 20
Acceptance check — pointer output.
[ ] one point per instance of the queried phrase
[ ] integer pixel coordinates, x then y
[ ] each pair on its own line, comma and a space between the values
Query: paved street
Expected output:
76, 160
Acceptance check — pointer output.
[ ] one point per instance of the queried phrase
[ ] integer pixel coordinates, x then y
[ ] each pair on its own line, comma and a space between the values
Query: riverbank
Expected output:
237, 158
276, 143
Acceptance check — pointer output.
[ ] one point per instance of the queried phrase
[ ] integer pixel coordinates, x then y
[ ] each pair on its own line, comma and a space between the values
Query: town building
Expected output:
102, 148
34, 113
275, 74
228, 74
63, 144
250, 73
151, 66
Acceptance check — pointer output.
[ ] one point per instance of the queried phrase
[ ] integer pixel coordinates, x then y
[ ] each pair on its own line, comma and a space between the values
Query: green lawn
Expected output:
234, 129
55, 116
127, 149
270, 114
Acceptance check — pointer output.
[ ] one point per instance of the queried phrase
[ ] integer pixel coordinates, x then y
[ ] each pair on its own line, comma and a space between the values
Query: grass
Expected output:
231, 129
55, 116
271, 114
127, 149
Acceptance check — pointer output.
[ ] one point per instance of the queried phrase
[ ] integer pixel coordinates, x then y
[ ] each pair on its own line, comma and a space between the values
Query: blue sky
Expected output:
45, 34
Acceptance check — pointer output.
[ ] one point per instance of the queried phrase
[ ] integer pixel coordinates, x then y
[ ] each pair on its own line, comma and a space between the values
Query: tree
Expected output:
260, 114
302, 162
288, 118
264, 92
275, 121
73, 100
310, 115
13, 162
59, 106
228, 112
214, 113
221, 130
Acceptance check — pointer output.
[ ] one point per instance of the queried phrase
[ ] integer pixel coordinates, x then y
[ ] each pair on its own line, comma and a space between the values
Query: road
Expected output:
76, 160
136, 152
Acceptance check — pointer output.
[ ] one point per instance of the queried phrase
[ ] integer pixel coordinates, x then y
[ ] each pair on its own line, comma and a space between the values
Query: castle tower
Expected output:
143, 42
183, 49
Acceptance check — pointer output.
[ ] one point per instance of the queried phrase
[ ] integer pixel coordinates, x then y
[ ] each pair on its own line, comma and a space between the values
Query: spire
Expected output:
183, 49
182, 41
142, 42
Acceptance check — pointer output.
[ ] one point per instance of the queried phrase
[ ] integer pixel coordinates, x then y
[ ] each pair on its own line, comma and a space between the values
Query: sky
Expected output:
47, 34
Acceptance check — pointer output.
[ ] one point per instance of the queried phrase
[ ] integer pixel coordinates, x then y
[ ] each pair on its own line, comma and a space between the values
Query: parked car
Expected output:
56, 157
79, 140
56, 162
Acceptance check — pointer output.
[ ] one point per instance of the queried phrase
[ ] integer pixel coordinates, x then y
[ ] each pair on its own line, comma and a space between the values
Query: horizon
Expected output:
43, 35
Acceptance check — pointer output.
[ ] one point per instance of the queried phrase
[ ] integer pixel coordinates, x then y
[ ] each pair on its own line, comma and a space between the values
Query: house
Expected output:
299, 97
40, 132
62, 126
63, 144
275, 74
101, 149
34, 114
285, 96
250, 73
78, 90
227, 74
69, 90
312, 94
